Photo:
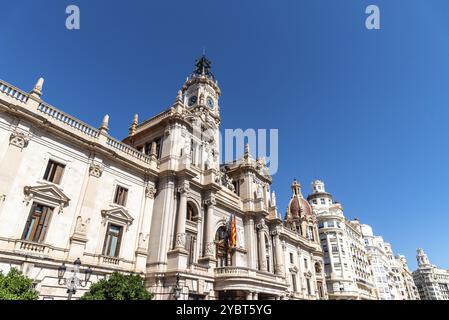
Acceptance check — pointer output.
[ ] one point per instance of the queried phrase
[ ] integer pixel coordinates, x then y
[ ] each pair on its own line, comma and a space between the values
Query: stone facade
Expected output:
432, 282
348, 273
158, 203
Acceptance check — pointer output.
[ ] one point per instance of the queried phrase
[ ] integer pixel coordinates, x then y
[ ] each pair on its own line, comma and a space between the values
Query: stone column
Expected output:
249, 296
209, 250
279, 254
181, 222
250, 241
145, 226
255, 296
262, 247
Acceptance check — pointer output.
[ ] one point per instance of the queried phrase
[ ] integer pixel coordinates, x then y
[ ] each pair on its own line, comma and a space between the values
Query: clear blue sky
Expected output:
365, 111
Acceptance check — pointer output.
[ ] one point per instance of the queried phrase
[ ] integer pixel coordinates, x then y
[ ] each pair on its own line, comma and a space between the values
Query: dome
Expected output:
298, 207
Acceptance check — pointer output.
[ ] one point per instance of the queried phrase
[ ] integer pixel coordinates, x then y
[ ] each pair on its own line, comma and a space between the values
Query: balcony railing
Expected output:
111, 260
115, 144
231, 271
12, 92
67, 119
31, 247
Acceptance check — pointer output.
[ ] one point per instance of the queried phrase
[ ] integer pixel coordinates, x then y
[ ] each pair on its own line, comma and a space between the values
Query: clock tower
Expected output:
201, 89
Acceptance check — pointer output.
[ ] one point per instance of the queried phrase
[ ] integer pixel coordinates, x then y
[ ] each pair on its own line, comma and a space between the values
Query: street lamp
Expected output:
73, 282
177, 288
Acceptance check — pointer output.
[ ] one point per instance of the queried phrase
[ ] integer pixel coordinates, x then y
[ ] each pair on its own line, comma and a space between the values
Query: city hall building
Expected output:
157, 203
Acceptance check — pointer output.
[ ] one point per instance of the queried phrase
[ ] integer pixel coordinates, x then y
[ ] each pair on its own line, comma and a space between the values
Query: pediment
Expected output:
117, 214
48, 194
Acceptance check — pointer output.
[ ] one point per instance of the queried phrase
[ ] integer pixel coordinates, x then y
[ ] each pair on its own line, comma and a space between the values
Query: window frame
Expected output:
43, 223
121, 199
107, 241
54, 171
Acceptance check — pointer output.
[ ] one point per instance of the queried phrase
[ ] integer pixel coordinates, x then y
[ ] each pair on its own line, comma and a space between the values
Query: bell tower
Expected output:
201, 89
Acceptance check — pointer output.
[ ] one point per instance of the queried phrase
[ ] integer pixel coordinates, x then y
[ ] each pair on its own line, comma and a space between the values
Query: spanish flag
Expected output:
233, 242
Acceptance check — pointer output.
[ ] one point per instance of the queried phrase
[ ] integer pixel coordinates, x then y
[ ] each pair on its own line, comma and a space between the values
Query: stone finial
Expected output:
247, 152
273, 199
37, 90
179, 98
105, 124
133, 128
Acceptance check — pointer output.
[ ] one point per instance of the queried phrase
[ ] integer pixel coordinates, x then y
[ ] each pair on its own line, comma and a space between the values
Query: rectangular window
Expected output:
291, 258
37, 223
190, 247
330, 224
309, 289
295, 288
54, 171
323, 201
111, 247
305, 264
121, 195
321, 225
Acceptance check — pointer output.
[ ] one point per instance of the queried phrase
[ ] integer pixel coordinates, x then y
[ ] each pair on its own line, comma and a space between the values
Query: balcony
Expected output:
39, 250
242, 278
110, 260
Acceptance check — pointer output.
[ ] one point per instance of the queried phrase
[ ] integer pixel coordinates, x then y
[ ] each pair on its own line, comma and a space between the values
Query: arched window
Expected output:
221, 242
190, 212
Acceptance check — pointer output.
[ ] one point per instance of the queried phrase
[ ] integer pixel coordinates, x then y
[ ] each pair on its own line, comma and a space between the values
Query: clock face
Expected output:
192, 100
210, 102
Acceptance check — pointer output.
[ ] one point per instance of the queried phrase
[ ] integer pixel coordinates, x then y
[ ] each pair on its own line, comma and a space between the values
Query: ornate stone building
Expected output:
157, 203
348, 272
391, 275
432, 282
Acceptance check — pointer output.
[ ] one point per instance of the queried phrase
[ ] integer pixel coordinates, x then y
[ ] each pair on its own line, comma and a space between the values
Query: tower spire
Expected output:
203, 67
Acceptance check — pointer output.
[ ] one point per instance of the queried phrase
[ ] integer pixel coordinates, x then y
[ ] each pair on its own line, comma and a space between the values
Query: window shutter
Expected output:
46, 215
106, 237
58, 173
28, 223
119, 242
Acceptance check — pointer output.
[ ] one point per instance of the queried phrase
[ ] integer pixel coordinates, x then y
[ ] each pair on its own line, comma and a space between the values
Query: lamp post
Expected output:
73, 282
177, 288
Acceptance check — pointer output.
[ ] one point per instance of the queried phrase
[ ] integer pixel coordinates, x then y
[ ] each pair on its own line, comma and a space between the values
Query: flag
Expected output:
233, 242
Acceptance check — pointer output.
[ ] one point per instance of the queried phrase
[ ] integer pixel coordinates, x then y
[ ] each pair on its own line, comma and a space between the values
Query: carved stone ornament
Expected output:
47, 193
81, 225
210, 249
211, 201
19, 139
143, 240
260, 226
118, 215
184, 187
180, 240
96, 170
150, 192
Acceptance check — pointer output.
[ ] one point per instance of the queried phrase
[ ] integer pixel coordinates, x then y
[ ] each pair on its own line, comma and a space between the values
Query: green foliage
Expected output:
15, 286
118, 287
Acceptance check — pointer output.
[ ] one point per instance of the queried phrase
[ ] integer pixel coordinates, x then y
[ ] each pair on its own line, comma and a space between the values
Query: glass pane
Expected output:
113, 246
30, 228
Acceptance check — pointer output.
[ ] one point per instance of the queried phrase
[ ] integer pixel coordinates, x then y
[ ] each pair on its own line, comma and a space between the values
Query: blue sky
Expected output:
364, 111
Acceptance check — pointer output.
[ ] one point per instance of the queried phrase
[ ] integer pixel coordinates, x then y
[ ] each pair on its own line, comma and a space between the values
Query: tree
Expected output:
16, 286
118, 287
